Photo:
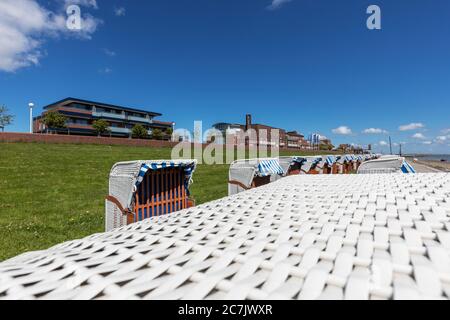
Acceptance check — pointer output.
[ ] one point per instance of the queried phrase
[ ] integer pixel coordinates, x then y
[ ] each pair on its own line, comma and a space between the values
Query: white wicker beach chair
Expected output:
252, 173
386, 164
326, 165
345, 163
146, 188
292, 165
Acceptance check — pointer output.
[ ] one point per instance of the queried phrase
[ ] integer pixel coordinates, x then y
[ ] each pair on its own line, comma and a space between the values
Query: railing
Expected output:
119, 130
109, 115
126, 130
73, 110
139, 119
121, 116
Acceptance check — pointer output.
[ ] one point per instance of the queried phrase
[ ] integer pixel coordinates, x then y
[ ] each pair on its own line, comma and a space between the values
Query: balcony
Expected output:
79, 126
140, 119
73, 110
109, 115
120, 130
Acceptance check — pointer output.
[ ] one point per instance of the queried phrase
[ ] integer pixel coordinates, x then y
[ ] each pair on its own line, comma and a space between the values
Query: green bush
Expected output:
100, 126
157, 134
54, 120
139, 132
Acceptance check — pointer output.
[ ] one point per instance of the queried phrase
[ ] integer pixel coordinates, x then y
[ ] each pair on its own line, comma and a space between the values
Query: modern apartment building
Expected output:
80, 115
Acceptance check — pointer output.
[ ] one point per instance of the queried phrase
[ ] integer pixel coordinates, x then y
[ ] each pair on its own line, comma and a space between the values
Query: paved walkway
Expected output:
421, 168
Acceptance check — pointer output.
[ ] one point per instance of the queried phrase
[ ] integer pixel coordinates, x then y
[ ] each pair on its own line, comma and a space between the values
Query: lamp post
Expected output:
31, 105
172, 138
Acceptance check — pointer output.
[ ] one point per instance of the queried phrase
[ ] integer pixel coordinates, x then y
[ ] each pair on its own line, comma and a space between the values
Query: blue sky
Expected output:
306, 65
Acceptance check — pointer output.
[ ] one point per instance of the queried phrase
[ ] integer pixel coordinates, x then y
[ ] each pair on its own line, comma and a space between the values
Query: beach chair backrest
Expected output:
292, 165
391, 164
161, 192
310, 164
252, 173
147, 188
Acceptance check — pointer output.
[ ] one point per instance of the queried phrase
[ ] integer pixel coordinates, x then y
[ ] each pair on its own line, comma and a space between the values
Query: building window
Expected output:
78, 121
80, 106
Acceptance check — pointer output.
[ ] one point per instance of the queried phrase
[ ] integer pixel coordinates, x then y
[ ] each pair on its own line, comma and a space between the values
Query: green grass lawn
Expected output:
50, 193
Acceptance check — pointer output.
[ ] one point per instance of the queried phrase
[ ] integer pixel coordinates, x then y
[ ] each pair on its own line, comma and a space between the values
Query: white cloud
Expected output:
411, 126
446, 131
276, 4
119, 11
383, 143
442, 139
109, 52
375, 131
419, 136
24, 26
427, 143
106, 70
86, 3
343, 130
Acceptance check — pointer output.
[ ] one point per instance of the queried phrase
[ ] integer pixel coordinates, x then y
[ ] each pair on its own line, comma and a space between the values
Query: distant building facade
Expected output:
81, 114
319, 142
296, 140
226, 129
263, 135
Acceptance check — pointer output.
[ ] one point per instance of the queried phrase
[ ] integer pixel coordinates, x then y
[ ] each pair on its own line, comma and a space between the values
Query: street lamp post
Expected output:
172, 138
31, 105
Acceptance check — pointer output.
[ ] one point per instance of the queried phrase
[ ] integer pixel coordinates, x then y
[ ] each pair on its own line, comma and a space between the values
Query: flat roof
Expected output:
226, 123
101, 104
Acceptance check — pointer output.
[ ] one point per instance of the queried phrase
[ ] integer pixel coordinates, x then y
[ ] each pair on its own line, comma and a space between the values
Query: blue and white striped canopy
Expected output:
407, 168
331, 160
188, 166
299, 160
314, 160
269, 167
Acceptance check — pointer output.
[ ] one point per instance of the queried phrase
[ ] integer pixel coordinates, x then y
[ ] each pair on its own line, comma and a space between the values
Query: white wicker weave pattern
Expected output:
302, 237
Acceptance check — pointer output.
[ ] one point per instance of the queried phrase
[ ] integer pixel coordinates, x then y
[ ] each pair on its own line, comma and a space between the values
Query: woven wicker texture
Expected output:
301, 237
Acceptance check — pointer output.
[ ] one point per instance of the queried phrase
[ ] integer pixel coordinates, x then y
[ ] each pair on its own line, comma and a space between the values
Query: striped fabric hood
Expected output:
189, 167
269, 167
407, 168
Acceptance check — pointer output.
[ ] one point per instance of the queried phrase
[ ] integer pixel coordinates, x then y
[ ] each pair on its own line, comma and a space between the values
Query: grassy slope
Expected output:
50, 193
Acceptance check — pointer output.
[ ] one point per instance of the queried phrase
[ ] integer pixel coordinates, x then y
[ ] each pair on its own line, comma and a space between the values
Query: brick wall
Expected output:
53, 138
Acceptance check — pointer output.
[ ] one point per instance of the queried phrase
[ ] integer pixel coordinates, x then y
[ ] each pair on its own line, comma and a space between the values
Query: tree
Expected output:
326, 147
139, 132
169, 131
157, 134
5, 118
54, 120
100, 126
344, 147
